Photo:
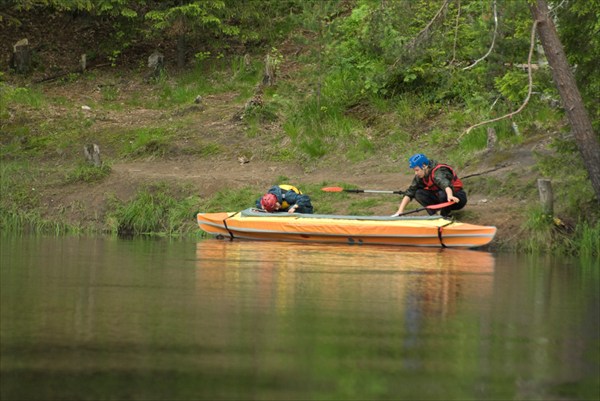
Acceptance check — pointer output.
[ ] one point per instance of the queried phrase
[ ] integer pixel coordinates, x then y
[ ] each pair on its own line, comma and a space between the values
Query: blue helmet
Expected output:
418, 160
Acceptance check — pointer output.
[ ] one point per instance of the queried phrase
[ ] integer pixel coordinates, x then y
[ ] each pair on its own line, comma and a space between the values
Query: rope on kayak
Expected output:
440, 237
227, 228
440, 229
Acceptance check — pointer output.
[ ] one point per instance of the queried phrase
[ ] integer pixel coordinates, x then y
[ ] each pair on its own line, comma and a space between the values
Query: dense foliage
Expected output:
382, 48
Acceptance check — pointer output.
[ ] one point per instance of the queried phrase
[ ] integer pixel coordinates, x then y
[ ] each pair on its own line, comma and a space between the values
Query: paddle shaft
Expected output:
360, 191
373, 191
432, 207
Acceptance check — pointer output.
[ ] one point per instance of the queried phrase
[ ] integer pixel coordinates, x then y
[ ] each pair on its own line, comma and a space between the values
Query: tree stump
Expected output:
92, 154
515, 128
546, 196
21, 58
83, 62
156, 64
270, 71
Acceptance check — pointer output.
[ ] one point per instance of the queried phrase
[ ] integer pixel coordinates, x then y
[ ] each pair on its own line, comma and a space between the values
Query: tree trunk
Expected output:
581, 125
181, 50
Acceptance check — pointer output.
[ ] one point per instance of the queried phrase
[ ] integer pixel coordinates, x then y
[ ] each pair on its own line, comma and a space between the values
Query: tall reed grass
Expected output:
31, 222
544, 234
154, 210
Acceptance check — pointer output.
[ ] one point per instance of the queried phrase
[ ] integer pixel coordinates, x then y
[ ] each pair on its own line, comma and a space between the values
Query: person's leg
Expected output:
427, 198
462, 196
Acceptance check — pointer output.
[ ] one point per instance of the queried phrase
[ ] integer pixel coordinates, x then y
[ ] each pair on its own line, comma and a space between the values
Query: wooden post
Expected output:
491, 138
546, 197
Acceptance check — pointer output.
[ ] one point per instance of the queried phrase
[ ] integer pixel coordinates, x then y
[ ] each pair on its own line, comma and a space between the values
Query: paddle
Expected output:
432, 207
360, 191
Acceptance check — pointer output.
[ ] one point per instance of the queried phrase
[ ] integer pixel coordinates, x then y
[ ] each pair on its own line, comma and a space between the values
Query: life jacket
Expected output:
284, 189
456, 183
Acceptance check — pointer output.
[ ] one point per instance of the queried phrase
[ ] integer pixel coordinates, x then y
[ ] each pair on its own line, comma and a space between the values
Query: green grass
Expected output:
361, 207
230, 200
210, 77
109, 93
17, 186
587, 240
21, 96
85, 172
546, 234
21, 208
154, 210
147, 142
539, 229
362, 149
31, 222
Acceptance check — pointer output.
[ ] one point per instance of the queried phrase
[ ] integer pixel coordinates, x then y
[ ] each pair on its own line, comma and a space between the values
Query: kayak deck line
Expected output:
256, 213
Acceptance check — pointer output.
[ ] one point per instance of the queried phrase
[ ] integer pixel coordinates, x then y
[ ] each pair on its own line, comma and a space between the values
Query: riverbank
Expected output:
209, 139
54, 190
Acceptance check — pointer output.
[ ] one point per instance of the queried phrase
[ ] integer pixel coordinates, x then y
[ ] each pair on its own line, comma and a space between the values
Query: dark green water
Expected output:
102, 318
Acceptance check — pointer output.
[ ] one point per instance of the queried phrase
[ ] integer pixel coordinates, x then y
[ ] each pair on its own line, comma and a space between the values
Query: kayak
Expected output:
427, 231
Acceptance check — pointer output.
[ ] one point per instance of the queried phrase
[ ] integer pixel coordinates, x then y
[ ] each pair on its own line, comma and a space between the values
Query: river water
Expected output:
107, 318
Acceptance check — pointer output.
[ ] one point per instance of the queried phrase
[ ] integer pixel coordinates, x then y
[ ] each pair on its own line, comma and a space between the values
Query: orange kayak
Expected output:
429, 231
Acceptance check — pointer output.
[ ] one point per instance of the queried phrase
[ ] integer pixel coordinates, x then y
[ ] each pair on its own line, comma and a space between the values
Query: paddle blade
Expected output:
439, 205
333, 189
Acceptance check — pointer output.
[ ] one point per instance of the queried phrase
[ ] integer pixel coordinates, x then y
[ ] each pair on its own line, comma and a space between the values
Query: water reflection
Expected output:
113, 319
430, 280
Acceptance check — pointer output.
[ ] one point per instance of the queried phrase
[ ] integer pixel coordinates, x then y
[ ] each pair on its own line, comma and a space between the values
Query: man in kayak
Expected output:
285, 198
433, 183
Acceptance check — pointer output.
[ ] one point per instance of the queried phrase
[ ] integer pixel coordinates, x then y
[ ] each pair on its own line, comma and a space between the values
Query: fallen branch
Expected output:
528, 91
62, 74
485, 172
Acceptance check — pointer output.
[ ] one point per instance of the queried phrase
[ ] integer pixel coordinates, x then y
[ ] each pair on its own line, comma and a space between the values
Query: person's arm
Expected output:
443, 179
409, 194
405, 201
298, 203
450, 195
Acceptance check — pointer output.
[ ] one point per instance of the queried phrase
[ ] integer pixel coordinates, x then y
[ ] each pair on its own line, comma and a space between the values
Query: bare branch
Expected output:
529, 90
553, 10
493, 41
424, 34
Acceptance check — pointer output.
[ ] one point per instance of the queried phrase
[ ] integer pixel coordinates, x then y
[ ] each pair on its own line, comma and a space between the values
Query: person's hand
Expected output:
293, 209
454, 199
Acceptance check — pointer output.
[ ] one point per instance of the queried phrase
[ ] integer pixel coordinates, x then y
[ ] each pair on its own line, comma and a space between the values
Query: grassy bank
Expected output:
48, 188
169, 208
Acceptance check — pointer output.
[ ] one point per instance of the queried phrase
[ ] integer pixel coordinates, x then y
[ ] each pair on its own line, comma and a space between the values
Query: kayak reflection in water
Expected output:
433, 183
285, 198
